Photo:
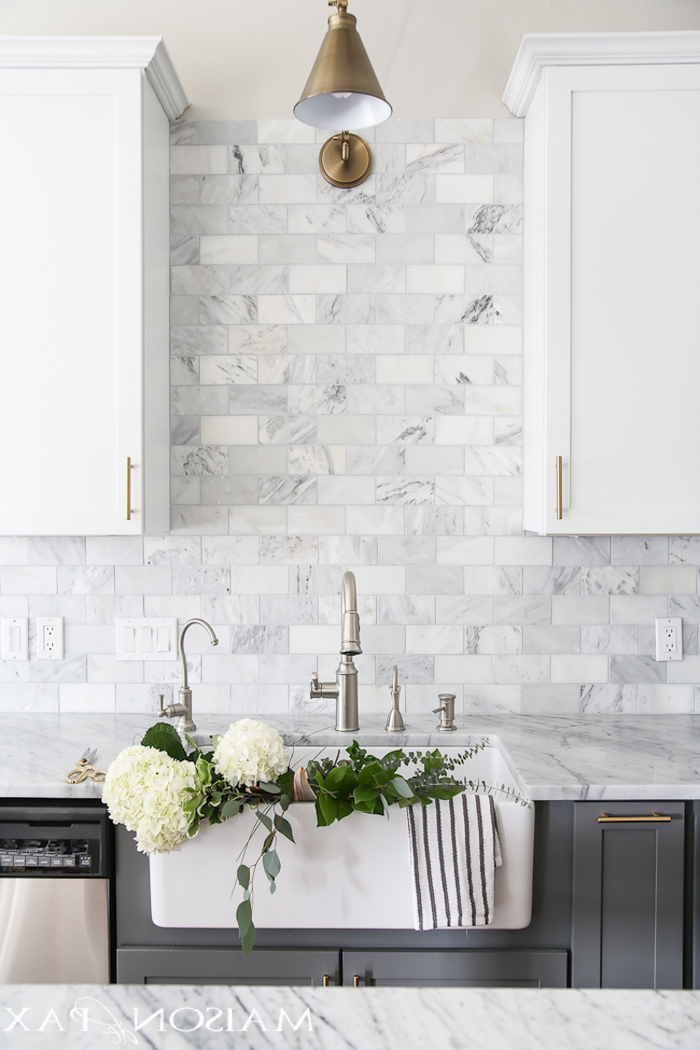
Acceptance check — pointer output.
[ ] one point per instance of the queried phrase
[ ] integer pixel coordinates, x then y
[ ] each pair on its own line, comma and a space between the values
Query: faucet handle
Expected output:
162, 713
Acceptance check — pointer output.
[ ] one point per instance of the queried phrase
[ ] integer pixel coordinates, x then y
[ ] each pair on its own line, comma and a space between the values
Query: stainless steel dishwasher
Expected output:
54, 895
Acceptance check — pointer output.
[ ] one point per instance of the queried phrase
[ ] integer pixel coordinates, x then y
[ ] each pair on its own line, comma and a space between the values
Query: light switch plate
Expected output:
147, 639
15, 638
49, 638
669, 638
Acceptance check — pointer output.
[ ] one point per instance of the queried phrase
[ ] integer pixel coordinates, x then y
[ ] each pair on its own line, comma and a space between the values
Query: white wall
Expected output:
243, 59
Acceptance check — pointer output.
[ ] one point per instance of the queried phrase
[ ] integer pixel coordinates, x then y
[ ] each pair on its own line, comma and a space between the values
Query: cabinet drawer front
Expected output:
461, 969
227, 966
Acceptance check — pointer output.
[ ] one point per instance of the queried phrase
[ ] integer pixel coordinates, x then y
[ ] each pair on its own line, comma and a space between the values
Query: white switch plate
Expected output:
148, 639
49, 638
669, 638
15, 638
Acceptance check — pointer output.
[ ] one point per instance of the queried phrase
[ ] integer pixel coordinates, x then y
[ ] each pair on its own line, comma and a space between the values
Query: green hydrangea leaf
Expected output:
165, 737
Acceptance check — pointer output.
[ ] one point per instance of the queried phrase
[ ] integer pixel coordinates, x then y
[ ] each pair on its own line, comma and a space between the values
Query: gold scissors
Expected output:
84, 770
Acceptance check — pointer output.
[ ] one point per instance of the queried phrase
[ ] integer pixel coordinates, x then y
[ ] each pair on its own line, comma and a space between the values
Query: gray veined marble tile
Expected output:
374, 339
231, 550
201, 579
236, 490
199, 280
469, 492
223, 132
288, 550
86, 579
494, 218
248, 639
406, 430
287, 368
251, 279
250, 400
405, 490
622, 639
347, 550
410, 187
279, 248
228, 189
473, 129
256, 160
185, 490
405, 609
525, 609
434, 339
346, 368
434, 400
636, 669
345, 309
56, 550
686, 606
198, 160
416, 669
198, 400
508, 431
365, 193
293, 430
287, 488
184, 249
610, 580
508, 371
184, 430
469, 611
493, 461
684, 550
315, 399
198, 219
382, 278
257, 219
482, 157
376, 218
203, 459
608, 699
292, 609
581, 550
184, 369
435, 157
257, 339
317, 459
467, 309
234, 609
376, 459
228, 309
544, 580
317, 219
172, 550
434, 521
367, 399
184, 309
184, 132
233, 368
552, 640
198, 339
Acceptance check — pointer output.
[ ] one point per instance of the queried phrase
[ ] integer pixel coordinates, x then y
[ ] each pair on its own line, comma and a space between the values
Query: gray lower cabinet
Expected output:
227, 966
628, 895
459, 969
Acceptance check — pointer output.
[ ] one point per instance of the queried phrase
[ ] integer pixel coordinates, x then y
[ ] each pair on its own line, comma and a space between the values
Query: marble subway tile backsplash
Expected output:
346, 373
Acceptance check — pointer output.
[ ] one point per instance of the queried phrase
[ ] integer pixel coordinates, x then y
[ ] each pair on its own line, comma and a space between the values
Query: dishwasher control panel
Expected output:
66, 856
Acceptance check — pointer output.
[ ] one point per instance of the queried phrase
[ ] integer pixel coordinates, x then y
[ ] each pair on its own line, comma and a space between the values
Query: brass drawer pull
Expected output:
128, 488
356, 981
559, 497
654, 818
326, 980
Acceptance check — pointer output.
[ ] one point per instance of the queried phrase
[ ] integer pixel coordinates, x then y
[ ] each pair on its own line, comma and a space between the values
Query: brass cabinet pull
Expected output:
356, 981
604, 818
128, 488
326, 980
559, 499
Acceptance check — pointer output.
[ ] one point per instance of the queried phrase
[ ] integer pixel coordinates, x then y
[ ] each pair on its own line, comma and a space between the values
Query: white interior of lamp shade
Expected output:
342, 114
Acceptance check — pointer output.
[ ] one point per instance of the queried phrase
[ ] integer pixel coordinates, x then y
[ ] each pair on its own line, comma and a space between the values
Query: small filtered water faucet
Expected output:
183, 709
344, 689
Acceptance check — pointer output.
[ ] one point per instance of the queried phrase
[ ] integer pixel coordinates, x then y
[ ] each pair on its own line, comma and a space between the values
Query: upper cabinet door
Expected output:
83, 310
612, 327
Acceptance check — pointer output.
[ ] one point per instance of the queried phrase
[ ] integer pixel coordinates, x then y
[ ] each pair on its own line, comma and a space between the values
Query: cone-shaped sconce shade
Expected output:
342, 91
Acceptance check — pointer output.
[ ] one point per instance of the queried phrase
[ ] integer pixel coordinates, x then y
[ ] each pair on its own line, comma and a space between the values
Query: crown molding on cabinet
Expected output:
100, 52
592, 49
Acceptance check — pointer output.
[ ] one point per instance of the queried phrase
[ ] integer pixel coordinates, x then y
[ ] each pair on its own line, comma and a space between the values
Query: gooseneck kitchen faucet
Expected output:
344, 689
184, 708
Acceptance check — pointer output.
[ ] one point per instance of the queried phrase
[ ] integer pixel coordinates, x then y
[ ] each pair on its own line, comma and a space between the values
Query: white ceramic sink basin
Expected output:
352, 875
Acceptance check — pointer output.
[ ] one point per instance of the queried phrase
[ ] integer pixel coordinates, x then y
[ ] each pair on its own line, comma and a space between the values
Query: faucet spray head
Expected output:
349, 618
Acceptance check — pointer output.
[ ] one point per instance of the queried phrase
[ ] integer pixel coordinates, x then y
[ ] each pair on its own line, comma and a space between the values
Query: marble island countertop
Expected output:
572, 757
93, 1016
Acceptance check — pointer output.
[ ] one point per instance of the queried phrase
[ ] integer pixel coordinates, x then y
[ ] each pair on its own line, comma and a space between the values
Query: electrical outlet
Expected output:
147, 639
49, 638
15, 638
669, 638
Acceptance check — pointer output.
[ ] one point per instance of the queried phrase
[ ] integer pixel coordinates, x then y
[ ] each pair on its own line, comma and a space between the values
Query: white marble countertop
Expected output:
573, 757
346, 1018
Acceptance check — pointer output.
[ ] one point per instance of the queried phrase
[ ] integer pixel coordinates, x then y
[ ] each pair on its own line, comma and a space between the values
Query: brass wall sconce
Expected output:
343, 92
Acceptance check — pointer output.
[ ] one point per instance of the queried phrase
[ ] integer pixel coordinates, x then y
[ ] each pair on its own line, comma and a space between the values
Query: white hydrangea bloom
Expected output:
251, 751
145, 790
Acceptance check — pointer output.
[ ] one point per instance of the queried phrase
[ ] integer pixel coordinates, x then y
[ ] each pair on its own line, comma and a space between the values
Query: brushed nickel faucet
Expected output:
183, 709
344, 689
446, 710
395, 722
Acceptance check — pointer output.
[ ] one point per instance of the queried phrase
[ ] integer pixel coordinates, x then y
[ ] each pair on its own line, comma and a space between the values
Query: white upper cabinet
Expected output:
84, 279
612, 281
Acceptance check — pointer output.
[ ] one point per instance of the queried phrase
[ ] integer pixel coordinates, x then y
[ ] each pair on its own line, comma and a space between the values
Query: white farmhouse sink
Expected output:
352, 875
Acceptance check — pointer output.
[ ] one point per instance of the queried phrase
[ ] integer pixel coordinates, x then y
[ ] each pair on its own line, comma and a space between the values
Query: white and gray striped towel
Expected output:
454, 850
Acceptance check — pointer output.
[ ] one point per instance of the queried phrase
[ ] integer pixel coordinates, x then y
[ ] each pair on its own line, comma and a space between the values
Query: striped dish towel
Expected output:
454, 850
